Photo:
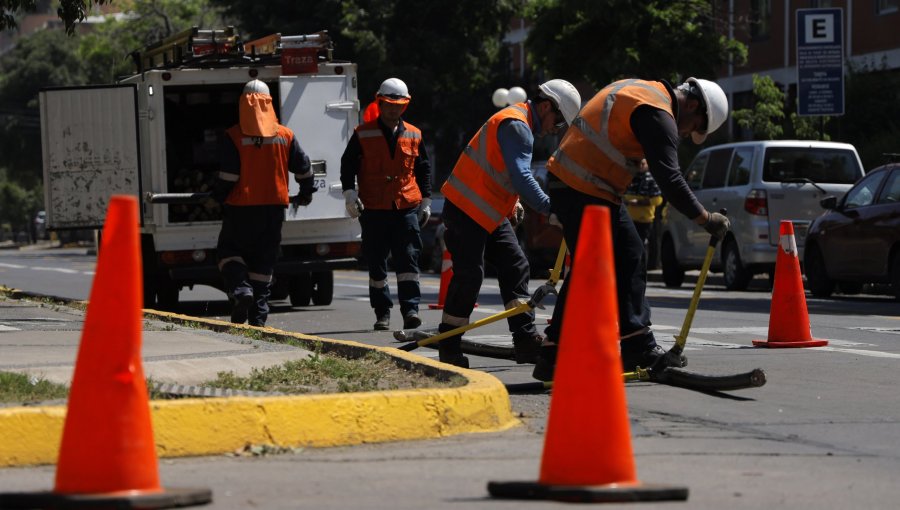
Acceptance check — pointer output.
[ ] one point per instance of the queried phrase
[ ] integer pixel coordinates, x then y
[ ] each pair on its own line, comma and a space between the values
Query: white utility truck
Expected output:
155, 135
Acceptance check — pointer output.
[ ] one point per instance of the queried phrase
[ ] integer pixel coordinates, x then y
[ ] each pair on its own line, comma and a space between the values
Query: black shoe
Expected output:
656, 358
546, 364
382, 321
241, 307
411, 320
527, 347
450, 351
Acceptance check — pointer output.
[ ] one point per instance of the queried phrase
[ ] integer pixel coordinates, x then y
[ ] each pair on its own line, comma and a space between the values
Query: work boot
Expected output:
382, 320
527, 346
411, 320
545, 364
242, 300
654, 357
450, 351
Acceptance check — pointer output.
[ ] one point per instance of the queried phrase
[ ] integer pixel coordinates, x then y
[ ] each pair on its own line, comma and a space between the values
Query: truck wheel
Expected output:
673, 275
737, 277
323, 287
280, 289
300, 289
149, 292
167, 295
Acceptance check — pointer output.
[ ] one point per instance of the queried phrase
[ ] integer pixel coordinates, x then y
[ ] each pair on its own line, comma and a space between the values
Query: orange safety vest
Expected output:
387, 182
599, 155
479, 184
264, 168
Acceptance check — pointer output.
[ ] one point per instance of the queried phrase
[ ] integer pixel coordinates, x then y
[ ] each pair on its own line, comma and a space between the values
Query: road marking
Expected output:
8, 328
12, 266
56, 269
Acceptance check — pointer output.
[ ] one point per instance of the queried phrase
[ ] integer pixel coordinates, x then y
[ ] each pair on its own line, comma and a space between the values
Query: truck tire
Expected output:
167, 294
300, 289
673, 275
280, 289
323, 288
737, 277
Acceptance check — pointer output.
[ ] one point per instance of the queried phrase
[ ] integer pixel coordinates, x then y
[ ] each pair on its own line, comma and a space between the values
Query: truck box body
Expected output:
157, 133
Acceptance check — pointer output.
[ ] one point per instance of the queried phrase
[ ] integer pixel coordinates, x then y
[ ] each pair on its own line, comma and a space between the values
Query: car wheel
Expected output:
300, 289
820, 285
323, 287
737, 277
673, 275
895, 276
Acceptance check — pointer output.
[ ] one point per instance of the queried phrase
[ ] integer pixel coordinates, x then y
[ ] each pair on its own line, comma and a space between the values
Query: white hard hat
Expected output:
716, 103
256, 87
565, 96
393, 90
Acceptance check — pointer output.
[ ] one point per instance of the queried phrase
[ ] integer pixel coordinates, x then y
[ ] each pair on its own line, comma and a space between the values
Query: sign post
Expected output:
820, 62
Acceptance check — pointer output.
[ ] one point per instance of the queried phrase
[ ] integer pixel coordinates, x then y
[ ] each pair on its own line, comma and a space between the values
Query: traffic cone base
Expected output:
612, 493
168, 498
587, 453
788, 316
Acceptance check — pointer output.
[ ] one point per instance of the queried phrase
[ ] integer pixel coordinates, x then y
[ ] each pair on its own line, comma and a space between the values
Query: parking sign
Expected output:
820, 62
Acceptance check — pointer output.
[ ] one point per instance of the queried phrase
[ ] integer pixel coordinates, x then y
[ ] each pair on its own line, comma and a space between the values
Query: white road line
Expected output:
12, 266
8, 328
56, 269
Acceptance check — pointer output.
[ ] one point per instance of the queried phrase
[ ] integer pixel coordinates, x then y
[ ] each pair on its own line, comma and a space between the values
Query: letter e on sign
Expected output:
819, 29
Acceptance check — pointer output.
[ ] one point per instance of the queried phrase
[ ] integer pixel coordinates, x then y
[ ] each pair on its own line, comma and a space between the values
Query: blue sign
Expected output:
820, 62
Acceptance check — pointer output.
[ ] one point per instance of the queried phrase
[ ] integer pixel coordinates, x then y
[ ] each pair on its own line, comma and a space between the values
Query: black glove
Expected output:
301, 199
717, 225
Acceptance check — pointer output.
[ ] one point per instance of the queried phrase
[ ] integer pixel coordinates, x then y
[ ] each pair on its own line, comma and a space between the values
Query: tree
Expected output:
602, 41
765, 118
810, 127
70, 11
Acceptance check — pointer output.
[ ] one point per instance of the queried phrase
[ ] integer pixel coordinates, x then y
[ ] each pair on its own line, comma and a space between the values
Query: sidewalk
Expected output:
42, 339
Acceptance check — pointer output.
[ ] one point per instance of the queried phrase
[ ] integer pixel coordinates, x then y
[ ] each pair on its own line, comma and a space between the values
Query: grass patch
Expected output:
325, 373
16, 387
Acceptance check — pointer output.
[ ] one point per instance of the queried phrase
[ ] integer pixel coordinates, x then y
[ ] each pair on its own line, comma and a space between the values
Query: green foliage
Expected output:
765, 118
21, 388
872, 118
810, 127
70, 11
18, 205
603, 41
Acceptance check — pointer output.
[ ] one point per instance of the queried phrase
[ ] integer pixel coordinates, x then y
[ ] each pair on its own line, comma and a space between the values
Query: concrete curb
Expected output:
208, 426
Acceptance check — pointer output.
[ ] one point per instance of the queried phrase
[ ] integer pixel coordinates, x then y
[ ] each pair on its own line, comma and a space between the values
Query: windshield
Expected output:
836, 166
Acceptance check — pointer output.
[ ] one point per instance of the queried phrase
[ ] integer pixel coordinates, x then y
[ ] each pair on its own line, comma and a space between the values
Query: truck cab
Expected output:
155, 135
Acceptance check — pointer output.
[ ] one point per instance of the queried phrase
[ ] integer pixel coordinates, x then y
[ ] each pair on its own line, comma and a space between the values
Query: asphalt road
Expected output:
823, 433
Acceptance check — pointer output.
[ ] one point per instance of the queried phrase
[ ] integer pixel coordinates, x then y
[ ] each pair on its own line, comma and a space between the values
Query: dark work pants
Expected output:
470, 246
394, 232
248, 250
630, 268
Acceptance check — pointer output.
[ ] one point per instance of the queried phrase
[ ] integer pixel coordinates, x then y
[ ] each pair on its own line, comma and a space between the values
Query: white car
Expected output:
760, 184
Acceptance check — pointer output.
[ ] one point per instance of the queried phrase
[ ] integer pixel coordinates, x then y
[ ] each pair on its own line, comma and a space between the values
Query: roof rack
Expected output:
193, 46
299, 54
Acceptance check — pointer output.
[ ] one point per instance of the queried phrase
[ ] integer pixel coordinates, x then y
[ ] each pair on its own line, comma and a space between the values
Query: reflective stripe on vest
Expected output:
263, 178
386, 181
483, 190
607, 170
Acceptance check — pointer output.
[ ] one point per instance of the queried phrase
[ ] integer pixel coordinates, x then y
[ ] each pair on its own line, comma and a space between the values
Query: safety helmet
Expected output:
565, 96
715, 102
256, 87
393, 90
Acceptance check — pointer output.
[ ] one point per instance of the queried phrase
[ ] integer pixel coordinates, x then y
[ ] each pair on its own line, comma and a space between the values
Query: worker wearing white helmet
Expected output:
386, 178
255, 160
482, 208
626, 122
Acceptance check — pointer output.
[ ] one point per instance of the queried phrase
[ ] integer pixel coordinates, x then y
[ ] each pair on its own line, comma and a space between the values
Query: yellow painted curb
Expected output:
31, 435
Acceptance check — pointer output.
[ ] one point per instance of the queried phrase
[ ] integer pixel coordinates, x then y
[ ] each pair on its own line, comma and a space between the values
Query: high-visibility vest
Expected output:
387, 182
479, 184
264, 167
599, 154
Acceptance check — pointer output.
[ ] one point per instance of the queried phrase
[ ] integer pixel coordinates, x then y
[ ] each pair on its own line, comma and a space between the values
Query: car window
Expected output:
740, 167
864, 193
891, 192
717, 168
694, 173
835, 166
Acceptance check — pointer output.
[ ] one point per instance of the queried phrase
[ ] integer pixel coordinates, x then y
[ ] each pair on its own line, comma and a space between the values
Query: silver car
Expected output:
760, 183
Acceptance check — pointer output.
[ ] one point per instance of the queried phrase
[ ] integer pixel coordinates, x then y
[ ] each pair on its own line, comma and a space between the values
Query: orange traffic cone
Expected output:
587, 447
446, 276
788, 316
108, 456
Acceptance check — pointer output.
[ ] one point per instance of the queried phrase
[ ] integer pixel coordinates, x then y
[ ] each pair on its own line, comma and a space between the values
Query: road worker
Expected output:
386, 178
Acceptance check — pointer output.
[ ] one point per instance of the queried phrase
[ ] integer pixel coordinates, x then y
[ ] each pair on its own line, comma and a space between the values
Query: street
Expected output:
822, 433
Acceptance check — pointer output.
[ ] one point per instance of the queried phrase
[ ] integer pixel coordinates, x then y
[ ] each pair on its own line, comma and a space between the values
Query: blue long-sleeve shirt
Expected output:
516, 142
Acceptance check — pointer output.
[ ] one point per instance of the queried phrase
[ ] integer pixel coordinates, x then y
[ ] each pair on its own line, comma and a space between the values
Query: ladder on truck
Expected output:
298, 54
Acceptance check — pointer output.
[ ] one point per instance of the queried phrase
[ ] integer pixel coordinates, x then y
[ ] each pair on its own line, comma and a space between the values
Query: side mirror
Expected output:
829, 202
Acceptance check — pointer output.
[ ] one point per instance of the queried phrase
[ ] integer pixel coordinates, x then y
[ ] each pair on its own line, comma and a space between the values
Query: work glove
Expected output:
717, 225
554, 220
424, 211
517, 215
307, 189
353, 203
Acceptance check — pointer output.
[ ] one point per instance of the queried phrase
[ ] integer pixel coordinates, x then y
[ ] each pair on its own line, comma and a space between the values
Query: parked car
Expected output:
858, 240
760, 184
